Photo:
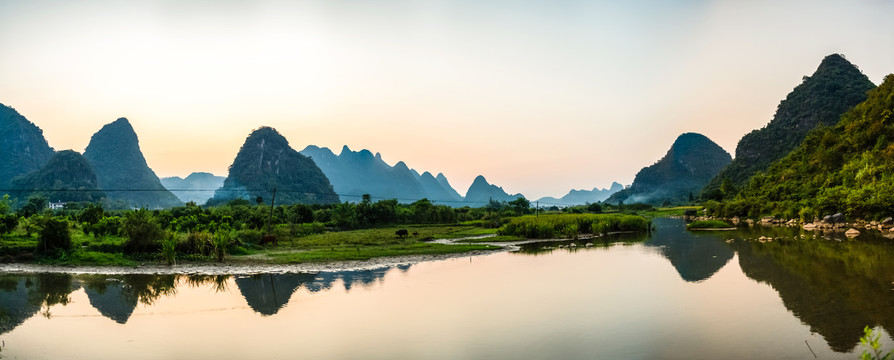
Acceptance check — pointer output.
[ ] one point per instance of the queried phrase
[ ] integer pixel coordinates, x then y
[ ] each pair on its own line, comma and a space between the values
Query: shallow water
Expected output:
670, 294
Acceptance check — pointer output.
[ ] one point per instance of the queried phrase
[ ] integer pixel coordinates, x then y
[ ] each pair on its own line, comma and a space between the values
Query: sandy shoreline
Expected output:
240, 268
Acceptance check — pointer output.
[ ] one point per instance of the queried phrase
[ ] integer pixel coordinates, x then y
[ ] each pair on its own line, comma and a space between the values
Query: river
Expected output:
671, 294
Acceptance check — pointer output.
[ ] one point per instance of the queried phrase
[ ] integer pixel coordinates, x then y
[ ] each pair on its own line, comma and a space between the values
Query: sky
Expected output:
540, 97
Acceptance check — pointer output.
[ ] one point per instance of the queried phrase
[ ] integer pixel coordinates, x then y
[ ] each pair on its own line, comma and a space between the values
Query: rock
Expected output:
852, 233
838, 218
809, 226
888, 221
767, 219
589, 244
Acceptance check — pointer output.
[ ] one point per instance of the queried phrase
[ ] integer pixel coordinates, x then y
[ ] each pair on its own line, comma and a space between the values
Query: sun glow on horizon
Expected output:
537, 96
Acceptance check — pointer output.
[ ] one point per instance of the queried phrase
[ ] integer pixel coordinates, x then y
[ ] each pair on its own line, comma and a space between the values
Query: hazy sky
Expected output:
538, 96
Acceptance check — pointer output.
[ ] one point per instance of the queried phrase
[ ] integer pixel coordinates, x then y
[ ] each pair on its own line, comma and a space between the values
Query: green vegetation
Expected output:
234, 232
870, 340
23, 148
54, 236
266, 161
846, 168
690, 163
67, 176
571, 225
820, 100
115, 155
708, 224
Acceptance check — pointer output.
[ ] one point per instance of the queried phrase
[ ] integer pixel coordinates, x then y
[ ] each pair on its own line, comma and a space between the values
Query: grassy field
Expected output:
572, 225
708, 224
329, 246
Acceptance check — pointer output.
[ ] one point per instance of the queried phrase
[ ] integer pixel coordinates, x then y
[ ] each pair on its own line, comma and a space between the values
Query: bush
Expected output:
141, 231
54, 236
571, 225
248, 237
197, 243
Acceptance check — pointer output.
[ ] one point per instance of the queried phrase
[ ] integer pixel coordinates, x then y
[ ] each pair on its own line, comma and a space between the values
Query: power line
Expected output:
266, 190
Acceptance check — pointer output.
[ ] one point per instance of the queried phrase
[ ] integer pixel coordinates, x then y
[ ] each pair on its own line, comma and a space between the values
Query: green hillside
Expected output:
114, 152
266, 161
690, 163
835, 87
848, 167
66, 177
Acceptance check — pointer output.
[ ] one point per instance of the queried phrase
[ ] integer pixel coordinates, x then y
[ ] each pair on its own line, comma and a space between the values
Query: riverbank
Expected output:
240, 267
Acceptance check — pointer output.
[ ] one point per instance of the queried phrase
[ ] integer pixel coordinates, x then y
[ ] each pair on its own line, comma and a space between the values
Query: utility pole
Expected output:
272, 204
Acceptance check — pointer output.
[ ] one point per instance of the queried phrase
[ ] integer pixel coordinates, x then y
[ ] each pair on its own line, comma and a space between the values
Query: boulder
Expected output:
838, 218
852, 233
888, 221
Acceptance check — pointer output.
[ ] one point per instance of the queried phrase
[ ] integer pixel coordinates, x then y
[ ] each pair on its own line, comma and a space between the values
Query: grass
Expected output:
668, 211
572, 225
708, 224
329, 246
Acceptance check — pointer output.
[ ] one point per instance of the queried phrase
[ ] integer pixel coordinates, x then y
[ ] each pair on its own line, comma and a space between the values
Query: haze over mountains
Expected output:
197, 187
691, 162
579, 197
29, 166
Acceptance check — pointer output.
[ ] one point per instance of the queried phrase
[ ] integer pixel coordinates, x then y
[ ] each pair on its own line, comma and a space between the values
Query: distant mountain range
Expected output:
691, 162
481, 192
581, 197
198, 187
354, 173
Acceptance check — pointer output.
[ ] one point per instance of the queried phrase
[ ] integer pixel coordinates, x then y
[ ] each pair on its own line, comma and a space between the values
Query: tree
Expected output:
520, 205
54, 236
34, 205
92, 214
141, 230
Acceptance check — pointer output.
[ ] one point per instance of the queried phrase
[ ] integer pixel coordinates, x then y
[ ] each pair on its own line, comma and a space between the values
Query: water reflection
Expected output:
117, 296
695, 256
835, 287
267, 293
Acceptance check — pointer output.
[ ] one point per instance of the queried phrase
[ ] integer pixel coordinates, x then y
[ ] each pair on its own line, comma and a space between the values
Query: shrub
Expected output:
54, 236
142, 232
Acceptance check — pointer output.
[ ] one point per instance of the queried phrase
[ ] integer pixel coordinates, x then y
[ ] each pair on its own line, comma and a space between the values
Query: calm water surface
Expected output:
671, 294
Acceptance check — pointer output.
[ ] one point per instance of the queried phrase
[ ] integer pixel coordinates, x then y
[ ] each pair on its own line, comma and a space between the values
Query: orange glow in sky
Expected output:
538, 96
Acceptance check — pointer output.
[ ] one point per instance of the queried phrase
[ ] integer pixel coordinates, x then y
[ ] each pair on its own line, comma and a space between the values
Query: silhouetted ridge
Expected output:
821, 99
266, 161
690, 163
114, 151
354, 173
23, 148
66, 177
480, 192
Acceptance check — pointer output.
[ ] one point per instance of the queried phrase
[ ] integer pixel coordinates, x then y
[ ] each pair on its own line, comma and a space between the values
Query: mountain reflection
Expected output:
835, 287
116, 296
21, 297
266, 294
696, 257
